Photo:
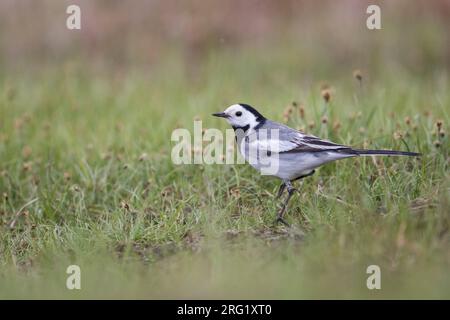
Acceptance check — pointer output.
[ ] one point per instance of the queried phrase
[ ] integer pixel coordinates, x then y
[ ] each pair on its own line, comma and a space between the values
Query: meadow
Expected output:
86, 177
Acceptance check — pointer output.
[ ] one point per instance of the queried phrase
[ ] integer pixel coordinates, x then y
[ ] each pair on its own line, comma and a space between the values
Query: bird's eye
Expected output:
238, 113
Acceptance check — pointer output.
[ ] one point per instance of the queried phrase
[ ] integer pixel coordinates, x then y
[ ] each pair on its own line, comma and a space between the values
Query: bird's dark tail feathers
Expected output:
362, 152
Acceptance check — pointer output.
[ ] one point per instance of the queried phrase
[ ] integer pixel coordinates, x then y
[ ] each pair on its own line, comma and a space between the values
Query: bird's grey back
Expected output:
284, 132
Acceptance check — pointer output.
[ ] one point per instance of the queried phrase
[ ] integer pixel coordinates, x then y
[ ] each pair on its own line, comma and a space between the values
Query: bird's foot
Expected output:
281, 220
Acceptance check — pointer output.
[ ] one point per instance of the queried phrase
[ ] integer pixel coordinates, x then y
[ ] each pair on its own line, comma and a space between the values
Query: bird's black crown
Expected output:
259, 116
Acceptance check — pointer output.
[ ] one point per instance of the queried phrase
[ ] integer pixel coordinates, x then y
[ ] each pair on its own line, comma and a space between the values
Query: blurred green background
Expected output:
323, 38
86, 176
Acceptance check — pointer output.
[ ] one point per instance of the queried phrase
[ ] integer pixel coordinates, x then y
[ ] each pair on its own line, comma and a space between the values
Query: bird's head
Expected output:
241, 116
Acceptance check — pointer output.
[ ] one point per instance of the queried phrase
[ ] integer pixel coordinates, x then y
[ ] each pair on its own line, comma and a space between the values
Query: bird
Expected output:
278, 150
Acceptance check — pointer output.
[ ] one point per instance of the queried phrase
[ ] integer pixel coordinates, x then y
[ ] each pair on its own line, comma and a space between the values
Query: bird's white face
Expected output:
238, 116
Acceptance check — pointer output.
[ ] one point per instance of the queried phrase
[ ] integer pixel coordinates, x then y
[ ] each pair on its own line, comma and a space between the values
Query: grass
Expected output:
87, 179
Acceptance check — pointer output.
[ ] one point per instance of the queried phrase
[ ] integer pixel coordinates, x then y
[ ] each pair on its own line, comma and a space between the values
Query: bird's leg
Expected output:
287, 184
280, 191
290, 190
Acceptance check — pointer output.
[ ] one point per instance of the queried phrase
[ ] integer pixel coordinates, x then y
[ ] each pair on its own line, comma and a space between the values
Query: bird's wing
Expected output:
313, 143
285, 139
272, 145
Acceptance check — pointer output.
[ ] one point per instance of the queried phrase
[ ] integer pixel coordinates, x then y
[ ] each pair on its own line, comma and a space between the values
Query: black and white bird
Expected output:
278, 150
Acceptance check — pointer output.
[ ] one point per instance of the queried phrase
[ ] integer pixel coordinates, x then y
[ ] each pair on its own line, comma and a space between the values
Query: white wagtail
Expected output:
295, 153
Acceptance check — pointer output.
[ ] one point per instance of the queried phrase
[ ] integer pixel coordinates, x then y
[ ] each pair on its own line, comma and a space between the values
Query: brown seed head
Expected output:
398, 135
143, 157
357, 74
336, 125
18, 123
301, 111
124, 205
27, 166
26, 151
67, 176
326, 95
235, 193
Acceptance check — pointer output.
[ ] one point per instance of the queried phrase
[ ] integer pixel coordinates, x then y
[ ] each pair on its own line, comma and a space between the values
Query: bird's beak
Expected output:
221, 115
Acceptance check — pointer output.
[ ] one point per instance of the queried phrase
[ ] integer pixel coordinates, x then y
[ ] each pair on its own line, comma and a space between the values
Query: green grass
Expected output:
71, 147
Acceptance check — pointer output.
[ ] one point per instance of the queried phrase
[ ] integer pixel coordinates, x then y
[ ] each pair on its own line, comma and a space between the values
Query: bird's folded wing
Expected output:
312, 143
272, 145
297, 143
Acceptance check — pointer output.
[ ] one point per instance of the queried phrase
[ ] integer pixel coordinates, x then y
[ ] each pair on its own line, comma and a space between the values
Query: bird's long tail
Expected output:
362, 152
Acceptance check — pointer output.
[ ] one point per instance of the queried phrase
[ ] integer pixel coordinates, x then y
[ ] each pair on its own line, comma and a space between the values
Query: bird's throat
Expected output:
244, 128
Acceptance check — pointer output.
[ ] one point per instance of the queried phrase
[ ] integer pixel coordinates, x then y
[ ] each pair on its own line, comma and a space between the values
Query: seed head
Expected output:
18, 123
326, 95
398, 135
235, 193
357, 74
288, 111
27, 166
143, 157
124, 206
166, 192
336, 125
26, 151
67, 176
301, 111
